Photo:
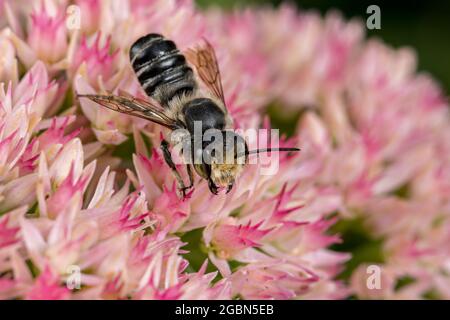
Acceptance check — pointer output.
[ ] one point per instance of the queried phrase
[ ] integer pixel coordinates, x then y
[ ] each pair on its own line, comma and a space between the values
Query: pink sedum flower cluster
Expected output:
82, 219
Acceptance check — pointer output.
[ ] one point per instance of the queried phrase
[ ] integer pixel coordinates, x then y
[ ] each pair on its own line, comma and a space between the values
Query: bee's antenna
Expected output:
257, 151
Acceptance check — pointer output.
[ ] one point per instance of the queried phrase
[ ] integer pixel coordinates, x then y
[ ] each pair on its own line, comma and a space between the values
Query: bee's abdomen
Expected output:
161, 68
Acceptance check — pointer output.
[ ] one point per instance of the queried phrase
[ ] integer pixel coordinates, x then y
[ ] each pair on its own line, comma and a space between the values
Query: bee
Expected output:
175, 101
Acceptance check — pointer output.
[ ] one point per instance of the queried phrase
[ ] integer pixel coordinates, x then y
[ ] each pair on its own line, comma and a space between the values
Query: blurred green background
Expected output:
423, 25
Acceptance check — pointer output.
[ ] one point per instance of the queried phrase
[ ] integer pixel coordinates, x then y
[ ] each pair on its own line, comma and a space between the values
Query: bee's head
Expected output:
224, 157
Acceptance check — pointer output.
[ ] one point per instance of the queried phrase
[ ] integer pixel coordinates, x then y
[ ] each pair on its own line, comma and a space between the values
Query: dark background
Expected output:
423, 25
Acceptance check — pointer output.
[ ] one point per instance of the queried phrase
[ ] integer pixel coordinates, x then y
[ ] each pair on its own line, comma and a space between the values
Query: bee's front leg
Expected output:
169, 161
191, 180
191, 176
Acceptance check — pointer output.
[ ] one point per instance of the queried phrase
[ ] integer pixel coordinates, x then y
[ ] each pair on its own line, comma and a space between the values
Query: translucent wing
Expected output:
203, 58
133, 106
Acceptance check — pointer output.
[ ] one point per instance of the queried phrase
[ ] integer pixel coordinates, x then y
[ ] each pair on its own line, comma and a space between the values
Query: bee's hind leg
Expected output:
191, 181
169, 161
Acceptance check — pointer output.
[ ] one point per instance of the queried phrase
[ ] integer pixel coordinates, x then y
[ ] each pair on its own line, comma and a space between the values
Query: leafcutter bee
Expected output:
176, 102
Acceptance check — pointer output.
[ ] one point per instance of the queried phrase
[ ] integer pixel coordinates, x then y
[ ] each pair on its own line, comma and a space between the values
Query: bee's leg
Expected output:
191, 177
169, 161
212, 187
191, 180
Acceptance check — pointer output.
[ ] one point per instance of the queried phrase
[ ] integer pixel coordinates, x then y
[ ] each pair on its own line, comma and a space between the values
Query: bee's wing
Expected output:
203, 58
133, 106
